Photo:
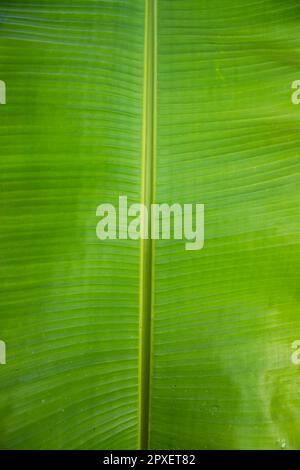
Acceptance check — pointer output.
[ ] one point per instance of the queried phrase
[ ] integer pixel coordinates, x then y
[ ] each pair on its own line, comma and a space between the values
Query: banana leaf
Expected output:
123, 344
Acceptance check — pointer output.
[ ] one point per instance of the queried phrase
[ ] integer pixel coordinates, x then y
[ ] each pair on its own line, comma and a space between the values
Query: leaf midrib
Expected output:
147, 258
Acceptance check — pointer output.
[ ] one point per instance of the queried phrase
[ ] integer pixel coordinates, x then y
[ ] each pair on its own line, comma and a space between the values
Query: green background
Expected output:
227, 135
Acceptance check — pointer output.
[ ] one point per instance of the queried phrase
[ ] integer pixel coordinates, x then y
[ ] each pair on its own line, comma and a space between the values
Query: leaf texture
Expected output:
70, 140
225, 134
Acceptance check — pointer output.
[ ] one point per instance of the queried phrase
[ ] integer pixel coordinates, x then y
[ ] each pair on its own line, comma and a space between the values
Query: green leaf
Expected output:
71, 139
122, 344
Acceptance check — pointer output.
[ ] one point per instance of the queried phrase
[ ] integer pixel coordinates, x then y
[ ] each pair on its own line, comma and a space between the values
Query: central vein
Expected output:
147, 199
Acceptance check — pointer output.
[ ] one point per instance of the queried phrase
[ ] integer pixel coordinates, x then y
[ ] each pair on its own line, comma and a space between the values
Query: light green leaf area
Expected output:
226, 135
